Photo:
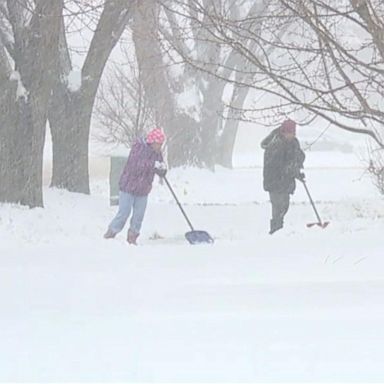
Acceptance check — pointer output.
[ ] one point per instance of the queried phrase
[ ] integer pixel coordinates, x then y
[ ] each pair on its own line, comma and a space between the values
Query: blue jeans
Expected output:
127, 203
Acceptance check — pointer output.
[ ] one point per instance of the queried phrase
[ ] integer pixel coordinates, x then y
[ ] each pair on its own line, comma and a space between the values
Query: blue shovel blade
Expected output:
199, 237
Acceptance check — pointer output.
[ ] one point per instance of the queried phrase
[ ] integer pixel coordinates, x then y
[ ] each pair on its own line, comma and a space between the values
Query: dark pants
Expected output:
280, 205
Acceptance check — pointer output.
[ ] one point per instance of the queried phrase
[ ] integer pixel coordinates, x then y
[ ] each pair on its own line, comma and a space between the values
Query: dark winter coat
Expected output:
139, 171
283, 161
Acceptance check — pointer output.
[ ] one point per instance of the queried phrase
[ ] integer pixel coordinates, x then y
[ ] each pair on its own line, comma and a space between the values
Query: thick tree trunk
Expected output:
70, 118
24, 104
10, 161
150, 62
30, 125
21, 153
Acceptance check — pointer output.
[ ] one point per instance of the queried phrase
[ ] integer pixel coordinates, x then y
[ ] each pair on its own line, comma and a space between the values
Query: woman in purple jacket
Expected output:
144, 161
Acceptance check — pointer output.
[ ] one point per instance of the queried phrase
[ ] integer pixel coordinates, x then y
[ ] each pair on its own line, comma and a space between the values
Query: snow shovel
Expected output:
193, 236
320, 223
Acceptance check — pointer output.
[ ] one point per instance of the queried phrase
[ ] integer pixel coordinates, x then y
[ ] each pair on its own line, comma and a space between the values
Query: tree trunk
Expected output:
150, 63
184, 144
10, 162
181, 130
209, 128
70, 118
21, 153
227, 144
228, 137
211, 122
30, 128
24, 104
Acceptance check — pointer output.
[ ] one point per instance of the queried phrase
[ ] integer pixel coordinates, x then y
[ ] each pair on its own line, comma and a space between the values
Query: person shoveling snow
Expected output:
144, 162
283, 163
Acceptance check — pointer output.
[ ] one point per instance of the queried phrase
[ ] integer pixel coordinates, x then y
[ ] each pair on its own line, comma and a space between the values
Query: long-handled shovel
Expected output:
193, 236
320, 223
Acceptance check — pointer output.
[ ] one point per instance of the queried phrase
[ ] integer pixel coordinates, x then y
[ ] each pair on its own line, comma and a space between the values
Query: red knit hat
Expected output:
288, 126
156, 136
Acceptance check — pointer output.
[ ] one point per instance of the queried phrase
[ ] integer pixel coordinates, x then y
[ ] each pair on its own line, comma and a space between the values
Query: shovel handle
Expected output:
178, 203
312, 202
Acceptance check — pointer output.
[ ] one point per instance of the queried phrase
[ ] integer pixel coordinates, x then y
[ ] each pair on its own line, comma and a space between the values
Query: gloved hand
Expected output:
301, 176
160, 165
160, 168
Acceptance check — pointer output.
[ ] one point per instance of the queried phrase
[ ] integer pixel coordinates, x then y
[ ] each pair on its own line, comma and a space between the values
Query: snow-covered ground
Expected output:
301, 305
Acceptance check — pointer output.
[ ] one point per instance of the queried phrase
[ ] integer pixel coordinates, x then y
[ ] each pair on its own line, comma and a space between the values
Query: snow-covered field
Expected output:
301, 305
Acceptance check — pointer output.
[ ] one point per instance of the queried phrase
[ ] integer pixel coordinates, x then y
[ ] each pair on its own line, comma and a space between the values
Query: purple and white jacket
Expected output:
139, 171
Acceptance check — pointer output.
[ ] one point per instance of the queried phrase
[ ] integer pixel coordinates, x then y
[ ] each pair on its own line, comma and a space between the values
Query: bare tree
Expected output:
187, 32
187, 101
29, 36
291, 56
328, 64
122, 108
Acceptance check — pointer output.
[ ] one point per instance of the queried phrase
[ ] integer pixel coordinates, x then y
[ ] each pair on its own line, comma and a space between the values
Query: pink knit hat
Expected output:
156, 136
288, 126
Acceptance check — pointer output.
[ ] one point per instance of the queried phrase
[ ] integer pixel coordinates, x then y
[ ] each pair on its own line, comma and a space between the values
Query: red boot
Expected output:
132, 237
